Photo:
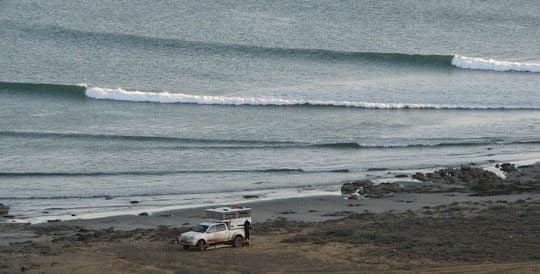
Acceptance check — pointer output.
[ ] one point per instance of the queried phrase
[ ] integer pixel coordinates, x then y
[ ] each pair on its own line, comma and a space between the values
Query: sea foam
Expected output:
494, 65
120, 94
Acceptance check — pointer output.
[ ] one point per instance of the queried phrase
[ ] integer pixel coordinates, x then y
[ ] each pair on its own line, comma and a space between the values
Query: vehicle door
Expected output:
217, 233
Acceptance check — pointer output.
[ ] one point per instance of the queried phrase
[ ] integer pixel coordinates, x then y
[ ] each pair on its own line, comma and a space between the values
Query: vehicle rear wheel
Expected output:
186, 247
201, 245
238, 241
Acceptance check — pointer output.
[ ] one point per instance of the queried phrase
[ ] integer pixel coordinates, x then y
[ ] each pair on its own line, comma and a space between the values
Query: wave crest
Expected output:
181, 98
493, 65
119, 94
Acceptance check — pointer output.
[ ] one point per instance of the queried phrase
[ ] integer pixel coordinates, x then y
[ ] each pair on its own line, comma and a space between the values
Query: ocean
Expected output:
114, 107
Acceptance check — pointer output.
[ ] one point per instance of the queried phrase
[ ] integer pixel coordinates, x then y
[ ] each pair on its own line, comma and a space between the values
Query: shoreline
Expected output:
302, 209
255, 196
405, 231
319, 207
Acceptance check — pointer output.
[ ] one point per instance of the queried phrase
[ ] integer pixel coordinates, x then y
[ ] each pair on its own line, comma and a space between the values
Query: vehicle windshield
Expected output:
200, 228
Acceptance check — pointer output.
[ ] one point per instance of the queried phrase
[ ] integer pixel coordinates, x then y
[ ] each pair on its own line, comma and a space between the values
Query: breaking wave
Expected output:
119, 94
493, 65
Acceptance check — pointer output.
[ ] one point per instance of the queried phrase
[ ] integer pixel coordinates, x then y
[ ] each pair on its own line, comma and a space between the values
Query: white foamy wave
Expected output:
491, 64
119, 94
181, 98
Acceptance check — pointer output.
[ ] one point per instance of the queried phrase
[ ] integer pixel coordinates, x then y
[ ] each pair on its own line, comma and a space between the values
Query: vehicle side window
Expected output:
212, 229
242, 214
220, 227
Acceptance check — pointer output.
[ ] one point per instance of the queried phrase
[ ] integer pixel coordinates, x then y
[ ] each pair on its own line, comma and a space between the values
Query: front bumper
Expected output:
186, 242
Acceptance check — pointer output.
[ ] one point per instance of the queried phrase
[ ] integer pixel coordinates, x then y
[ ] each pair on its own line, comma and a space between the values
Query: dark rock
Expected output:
352, 187
250, 196
472, 177
420, 176
368, 188
53, 221
143, 214
508, 167
378, 191
385, 188
377, 169
134, 202
402, 176
4, 209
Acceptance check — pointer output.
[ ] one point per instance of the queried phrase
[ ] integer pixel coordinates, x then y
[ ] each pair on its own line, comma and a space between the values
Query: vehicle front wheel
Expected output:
186, 247
201, 245
238, 241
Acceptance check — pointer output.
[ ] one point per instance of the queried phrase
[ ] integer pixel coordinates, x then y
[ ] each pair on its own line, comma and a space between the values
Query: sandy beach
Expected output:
442, 229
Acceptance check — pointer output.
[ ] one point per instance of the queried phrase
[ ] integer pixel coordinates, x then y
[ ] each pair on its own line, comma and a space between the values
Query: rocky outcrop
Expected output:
507, 167
368, 189
354, 186
463, 179
4, 209
420, 176
474, 178
523, 179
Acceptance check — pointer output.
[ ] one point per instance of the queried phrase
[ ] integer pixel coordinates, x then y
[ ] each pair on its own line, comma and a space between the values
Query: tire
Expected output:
238, 241
186, 247
201, 245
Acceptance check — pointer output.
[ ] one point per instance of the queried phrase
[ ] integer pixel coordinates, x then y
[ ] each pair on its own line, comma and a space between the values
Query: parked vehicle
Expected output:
227, 226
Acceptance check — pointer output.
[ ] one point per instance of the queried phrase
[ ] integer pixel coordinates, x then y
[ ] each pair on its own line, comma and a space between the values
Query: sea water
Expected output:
188, 103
